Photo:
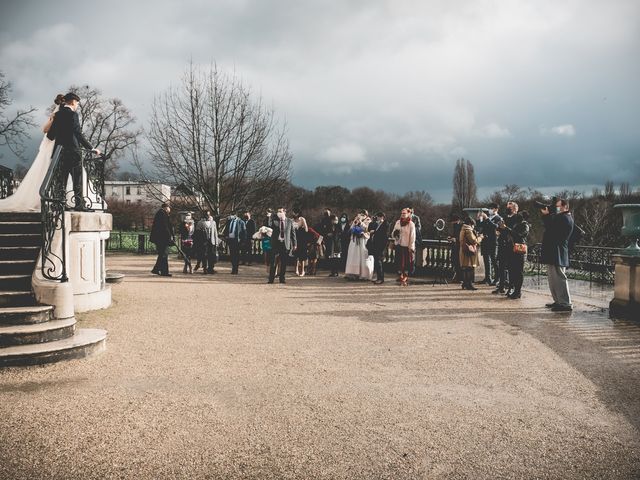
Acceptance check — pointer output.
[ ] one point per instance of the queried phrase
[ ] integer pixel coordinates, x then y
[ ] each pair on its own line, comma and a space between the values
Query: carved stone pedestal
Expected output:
626, 300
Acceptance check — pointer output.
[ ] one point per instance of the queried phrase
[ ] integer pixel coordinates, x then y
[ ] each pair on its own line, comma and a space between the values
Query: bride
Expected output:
27, 198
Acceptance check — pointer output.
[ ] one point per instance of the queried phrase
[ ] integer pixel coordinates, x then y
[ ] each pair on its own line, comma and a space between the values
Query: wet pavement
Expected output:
226, 377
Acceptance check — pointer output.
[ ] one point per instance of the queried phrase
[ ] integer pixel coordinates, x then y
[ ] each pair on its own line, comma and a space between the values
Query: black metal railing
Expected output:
6, 182
592, 264
56, 198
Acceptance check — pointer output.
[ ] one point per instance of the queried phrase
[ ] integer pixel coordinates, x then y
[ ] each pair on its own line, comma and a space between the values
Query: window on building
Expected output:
139, 190
128, 191
114, 191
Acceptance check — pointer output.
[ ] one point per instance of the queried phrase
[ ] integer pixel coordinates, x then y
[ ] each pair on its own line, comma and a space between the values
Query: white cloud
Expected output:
344, 153
566, 130
493, 130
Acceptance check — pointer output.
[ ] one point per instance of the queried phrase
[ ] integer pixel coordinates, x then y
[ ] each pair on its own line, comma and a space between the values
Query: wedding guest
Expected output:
519, 233
235, 233
314, 250
345, 238
378, 241
404, 233
283, 244
487, 225
247, 243
186, 243
264, 235
162, 236
301, 228
469, 242
505, 250
206, 243
197, 248
358, 267
333, 244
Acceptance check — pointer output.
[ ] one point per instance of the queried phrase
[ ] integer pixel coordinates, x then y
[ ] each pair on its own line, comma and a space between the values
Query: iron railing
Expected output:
6, 182
55, 199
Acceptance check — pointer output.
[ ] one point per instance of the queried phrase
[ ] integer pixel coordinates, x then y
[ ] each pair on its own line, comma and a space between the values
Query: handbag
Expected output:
520, 248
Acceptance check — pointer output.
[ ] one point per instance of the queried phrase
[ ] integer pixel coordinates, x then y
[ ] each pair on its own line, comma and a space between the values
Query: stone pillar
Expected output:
626, 299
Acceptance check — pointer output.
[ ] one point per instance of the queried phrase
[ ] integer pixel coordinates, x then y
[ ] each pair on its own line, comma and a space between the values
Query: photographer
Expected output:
487, 225
558, 226
519, 234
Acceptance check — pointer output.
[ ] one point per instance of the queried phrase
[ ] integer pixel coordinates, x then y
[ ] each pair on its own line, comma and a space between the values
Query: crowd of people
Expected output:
358, 246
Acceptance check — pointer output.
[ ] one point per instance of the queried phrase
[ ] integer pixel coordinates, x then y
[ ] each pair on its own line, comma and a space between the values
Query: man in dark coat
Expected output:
378, 240
247, 243
487, 225
66, 132
283, 244
235, 232
505, 249
558, 227
162, 236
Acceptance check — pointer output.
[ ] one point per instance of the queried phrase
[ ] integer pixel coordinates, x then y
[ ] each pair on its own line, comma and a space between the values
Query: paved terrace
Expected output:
227, 377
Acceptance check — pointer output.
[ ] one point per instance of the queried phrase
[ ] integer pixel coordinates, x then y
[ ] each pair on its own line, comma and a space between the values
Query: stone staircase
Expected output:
29, 333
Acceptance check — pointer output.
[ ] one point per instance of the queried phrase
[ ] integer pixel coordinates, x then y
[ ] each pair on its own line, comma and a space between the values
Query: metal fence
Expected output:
592, 264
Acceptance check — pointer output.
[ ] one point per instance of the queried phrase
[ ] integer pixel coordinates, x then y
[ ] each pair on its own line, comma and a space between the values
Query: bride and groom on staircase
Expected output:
32, 331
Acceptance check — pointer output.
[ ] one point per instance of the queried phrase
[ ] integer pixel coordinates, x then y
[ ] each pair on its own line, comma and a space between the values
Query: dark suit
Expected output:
235, 232
245, 247
162, 236
66, 132
487, 227
377, 244
283, 242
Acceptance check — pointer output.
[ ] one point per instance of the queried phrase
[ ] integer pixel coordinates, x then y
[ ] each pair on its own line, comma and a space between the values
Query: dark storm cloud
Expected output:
386, 94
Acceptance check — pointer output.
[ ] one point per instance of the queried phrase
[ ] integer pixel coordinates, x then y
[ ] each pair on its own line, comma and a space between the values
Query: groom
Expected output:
66, 132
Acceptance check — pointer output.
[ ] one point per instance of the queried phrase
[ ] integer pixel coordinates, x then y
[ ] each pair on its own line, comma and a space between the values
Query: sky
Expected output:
385, 94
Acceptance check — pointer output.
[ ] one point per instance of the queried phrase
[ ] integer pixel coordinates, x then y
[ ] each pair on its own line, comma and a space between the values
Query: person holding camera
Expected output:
487, 225
558, 226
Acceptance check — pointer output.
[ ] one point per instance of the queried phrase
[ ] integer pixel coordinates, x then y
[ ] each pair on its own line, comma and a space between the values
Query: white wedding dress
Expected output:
27, 197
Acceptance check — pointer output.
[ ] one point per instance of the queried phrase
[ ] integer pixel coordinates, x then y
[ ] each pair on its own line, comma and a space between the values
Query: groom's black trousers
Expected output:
71, 164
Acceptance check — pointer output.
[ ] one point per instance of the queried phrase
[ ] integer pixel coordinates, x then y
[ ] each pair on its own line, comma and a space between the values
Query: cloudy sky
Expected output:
542, 93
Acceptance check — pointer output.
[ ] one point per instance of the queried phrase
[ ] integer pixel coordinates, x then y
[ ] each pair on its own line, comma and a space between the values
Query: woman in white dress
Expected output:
27, 197
358, 268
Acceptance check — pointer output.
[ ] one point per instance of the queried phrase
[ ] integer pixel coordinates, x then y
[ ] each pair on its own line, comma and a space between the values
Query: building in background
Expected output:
134, 191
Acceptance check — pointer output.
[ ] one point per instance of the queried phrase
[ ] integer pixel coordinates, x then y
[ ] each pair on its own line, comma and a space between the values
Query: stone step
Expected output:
17, 267
25, 314
20, 227
16, 298
20, 239
19, 253
20, 217
85, 342
15, 282
37, 333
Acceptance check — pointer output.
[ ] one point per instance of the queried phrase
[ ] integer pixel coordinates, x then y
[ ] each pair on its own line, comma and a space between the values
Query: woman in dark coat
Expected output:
333, 245
519, 233
344, 231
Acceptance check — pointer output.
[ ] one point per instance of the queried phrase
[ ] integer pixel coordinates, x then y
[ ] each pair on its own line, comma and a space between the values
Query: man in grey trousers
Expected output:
558, 226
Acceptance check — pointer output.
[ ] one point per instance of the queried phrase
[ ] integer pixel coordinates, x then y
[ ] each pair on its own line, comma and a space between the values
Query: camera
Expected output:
546, 203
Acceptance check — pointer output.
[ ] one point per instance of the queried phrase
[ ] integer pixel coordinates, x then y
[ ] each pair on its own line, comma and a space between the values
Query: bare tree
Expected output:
13, 127
108, 124
625, 190
609, 190
212, 135
464, 185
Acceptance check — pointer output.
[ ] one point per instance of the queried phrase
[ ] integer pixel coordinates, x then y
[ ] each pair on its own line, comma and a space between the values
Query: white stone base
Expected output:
85, 302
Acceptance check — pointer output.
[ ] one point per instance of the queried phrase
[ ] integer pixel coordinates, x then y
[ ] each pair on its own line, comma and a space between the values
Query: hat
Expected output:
71, 96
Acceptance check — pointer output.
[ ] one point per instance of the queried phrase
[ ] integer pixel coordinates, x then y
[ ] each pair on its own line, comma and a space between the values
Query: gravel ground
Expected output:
226, 377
